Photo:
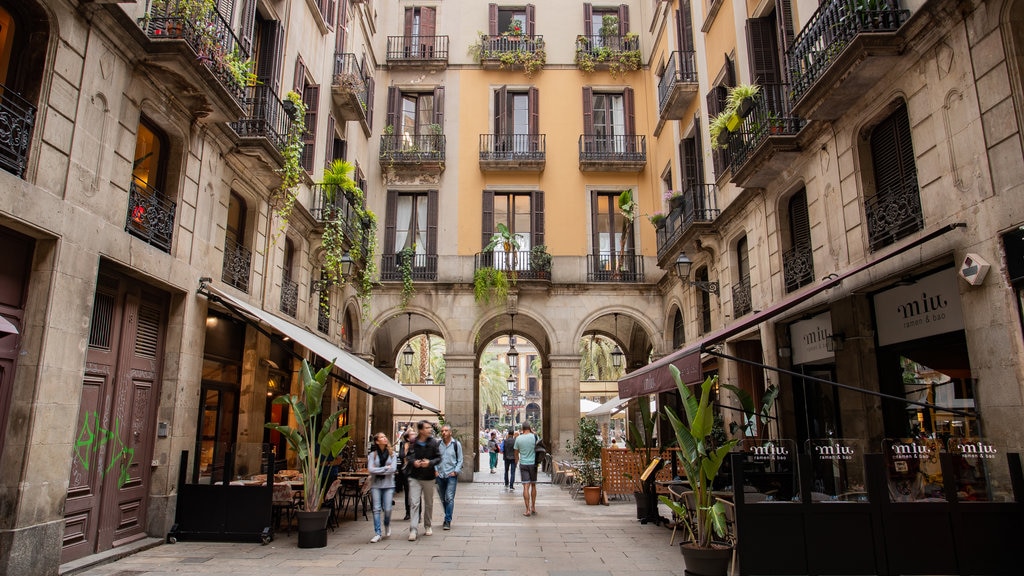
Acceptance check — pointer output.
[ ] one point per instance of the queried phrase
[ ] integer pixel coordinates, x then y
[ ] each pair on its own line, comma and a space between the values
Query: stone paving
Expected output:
489, 534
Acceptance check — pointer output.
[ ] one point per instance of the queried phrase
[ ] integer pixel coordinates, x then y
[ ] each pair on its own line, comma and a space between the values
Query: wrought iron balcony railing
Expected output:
417, 48
697, 204
330, 203
512, 147
770, 116
349, 76
526, 264
615, 267
893, 214
619, 148
237, 265
830, 29
208, 34
323, 317
607, 50
797, 267
289, 296
423, 267
412, 148
265, 117
150, 215
17, 116
741, 302
492, 47
681, 67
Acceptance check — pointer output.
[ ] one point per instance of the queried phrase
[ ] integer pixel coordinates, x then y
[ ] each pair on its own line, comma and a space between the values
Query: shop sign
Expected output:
809, 339
973, 463
837, 466
772, 469
927, 307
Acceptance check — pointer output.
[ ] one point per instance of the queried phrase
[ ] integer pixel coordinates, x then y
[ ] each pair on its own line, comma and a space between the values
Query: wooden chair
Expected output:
331, 500
284, 507
689, 502
365, 495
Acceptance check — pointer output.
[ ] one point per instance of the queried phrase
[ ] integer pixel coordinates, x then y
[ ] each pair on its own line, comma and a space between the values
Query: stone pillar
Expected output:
562, 401
460, 401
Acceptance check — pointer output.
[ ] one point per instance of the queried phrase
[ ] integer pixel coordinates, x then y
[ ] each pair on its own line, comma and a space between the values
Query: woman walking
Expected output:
382, 465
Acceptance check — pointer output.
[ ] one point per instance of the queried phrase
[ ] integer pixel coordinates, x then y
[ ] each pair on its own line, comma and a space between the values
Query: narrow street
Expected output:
489, 534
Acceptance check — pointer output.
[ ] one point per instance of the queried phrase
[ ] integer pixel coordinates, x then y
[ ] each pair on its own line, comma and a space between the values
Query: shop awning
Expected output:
608, 408
7, 327
373, 381
655, 377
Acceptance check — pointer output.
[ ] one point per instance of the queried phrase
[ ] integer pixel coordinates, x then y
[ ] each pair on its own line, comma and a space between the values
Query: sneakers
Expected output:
428, 532
387, 531
375, 539
492, 470
412, 535
447, 526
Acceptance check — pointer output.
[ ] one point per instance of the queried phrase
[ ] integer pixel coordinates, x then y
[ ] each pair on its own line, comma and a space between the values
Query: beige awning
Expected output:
374, 381
609, 408
7, 327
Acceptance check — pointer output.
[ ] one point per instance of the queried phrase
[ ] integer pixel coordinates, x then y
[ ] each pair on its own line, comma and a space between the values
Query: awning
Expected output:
374, 381
655, 377
608, 408
587, 405
7, 327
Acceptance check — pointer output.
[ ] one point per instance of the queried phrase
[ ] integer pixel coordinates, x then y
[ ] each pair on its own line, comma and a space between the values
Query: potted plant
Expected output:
316, 439
701, 460
644, 448
718, 131
540, 259
586, 451
489, 284
658, 220
741, 99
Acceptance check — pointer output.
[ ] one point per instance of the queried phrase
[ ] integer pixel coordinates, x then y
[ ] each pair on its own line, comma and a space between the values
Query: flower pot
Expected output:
746, 105
641, 505
723, 138
312, 528
712, 561
592, 495
733, 123
676, 202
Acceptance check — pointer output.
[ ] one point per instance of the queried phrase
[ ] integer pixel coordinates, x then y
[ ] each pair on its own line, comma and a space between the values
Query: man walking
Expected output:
421, 460
508, 449
448, 473
526, 455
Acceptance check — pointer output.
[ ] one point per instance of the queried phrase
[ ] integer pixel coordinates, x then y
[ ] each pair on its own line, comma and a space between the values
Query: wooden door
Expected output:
109, 485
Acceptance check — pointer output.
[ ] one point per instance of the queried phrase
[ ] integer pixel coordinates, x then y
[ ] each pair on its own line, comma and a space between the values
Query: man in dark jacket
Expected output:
422, 457
509, 450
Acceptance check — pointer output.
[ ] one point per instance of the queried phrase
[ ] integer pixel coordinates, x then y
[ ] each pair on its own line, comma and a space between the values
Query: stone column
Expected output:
562, 401
460, 400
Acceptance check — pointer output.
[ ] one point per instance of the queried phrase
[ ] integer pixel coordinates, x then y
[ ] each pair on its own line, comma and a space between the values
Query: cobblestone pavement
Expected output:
489, 534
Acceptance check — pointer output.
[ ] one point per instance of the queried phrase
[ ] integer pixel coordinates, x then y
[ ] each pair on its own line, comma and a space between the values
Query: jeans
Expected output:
382, 498
446, 490
421, 499
510, 473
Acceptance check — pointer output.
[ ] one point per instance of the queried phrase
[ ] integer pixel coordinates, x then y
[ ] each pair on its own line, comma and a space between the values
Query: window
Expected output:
716, 103
678, 329
612, 242
237, 258
417, 118
268, 51
336, 146
150, 210
24, 36
523, 214
411, 222
289, 288
516, 117
797, 262
500, 19
150, 156
608, 120
311, 98
894, 212
741, 303
703, 300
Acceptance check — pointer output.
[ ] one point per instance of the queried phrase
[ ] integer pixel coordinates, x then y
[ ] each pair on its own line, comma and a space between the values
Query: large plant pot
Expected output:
712, 561
592, 495
641, 505
313, 528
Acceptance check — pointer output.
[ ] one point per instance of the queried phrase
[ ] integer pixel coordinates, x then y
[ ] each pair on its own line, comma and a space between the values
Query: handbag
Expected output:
539, 448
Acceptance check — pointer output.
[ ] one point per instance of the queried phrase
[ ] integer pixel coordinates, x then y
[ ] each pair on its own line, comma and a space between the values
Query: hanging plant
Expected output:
282, 200
337, 181
405, 259
364, 251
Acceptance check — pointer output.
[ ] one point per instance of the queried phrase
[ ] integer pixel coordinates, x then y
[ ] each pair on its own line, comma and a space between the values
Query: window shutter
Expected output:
533, 103
588, 19
892, 153
311, 97
684, 24
623, 19
394, 107
595, 209
531, 17
369, 92
784, 17
432, 214
299, 83
329, 13
439, 106
341, 31
501, 111
537, 204
743, 259
428, 22
410, 15
630, 120
247, 25
268, 65
488, 217
226, 8
390, 221
761, 44
588, 111
698, 145
329, 148
799, 223
492, 19
688, 159
730, 71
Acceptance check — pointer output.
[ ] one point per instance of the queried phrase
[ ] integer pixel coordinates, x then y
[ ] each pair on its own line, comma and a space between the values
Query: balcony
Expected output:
691, 214
17, 117
622, 153
420, 152
430, 52
263, 131
150, 215
615, 267
289, 296
677, 87
331, 204
893, 214
505, 52
765, 143
323, 315
797, 268
201, 49
617, 54
237, 264
845, 48
423, 268
741, 302
350, 91
513, 152
526, 264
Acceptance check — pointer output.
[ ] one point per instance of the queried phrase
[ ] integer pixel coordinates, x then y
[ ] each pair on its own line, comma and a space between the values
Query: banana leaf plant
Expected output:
701, 460
316, 439
754, 417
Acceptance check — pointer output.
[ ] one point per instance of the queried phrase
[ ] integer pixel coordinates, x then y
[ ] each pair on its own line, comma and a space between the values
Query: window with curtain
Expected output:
609, 121
417, 114
612, 242
411, 222
515, 211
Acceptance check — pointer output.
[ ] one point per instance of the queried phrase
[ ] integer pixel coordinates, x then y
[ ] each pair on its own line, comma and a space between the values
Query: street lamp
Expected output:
683, 266
617, 352
512, 355
407, 353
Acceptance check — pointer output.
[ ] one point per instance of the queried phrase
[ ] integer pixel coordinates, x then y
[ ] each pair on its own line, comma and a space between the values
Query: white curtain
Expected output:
403, 222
